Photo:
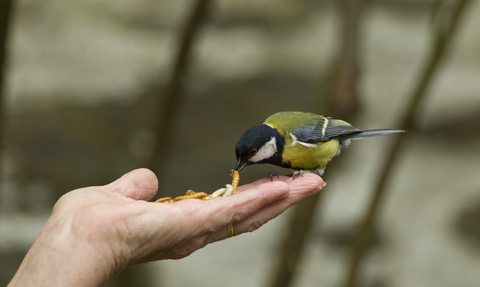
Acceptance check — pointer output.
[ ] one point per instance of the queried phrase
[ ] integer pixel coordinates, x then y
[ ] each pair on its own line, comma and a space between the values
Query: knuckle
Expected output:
238, 216
254, 226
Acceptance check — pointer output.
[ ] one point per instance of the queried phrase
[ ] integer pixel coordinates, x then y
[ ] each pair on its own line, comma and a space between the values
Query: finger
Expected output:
299, 189
310, 184
139, 184
263, 181
219, 212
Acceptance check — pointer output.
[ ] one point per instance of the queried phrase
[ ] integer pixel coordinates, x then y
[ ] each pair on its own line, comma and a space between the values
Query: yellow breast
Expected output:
309, 156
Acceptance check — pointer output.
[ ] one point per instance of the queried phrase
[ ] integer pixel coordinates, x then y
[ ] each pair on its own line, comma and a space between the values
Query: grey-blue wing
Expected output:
324, 130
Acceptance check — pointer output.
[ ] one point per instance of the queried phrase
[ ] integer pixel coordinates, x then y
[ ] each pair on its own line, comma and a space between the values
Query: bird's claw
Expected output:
301, 172
271, 175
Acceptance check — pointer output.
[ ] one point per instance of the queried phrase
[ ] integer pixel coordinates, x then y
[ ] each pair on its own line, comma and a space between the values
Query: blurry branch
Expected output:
345, 92
342, 103
169, 106
443, 37
294, 240
5, 12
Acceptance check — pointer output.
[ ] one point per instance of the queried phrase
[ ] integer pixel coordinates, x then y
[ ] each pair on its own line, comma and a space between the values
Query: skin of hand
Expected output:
95, 232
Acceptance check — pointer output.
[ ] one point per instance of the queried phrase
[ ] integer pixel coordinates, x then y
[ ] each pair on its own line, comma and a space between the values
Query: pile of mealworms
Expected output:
222, 192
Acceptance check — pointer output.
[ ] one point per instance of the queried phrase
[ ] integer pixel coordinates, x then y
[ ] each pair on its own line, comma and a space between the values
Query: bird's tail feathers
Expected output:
345, 139
372, 133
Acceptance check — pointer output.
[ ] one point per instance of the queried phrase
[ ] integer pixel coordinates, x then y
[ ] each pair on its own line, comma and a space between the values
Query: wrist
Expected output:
59, 257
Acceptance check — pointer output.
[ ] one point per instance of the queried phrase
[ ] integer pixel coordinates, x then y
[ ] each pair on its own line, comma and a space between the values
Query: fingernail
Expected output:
323, 185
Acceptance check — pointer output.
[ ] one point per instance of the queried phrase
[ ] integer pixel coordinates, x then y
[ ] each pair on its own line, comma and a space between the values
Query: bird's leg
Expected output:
320, 171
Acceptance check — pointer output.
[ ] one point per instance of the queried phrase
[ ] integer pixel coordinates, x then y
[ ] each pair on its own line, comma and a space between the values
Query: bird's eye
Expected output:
252, 152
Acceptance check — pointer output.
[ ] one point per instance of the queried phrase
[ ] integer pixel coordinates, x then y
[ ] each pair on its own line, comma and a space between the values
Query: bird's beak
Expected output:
240, 164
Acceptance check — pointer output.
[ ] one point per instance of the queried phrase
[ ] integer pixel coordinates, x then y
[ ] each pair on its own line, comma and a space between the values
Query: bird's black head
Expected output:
260, 144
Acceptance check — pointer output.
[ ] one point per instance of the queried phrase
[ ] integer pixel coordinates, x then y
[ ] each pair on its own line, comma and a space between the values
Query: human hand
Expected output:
95, 232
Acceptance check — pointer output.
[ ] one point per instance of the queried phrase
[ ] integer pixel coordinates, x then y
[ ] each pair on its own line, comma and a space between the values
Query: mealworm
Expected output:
198, 195
235, 181
164, 199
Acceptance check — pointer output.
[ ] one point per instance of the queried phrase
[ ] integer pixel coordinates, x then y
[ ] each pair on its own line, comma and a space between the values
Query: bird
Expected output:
301, 141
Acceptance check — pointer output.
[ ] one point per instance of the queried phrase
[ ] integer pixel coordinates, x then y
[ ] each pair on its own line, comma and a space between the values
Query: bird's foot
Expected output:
301, 172
271, 175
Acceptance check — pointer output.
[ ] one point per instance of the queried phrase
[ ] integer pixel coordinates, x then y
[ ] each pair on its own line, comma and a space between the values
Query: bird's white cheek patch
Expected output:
266, 151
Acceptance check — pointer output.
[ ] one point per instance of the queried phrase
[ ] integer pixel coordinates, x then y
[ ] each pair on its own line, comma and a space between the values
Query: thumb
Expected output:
139, 184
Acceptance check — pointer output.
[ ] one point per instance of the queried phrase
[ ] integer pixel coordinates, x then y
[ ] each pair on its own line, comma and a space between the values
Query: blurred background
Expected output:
94, 89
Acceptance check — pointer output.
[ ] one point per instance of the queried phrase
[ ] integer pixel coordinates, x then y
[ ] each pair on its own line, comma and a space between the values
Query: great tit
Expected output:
304, 142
